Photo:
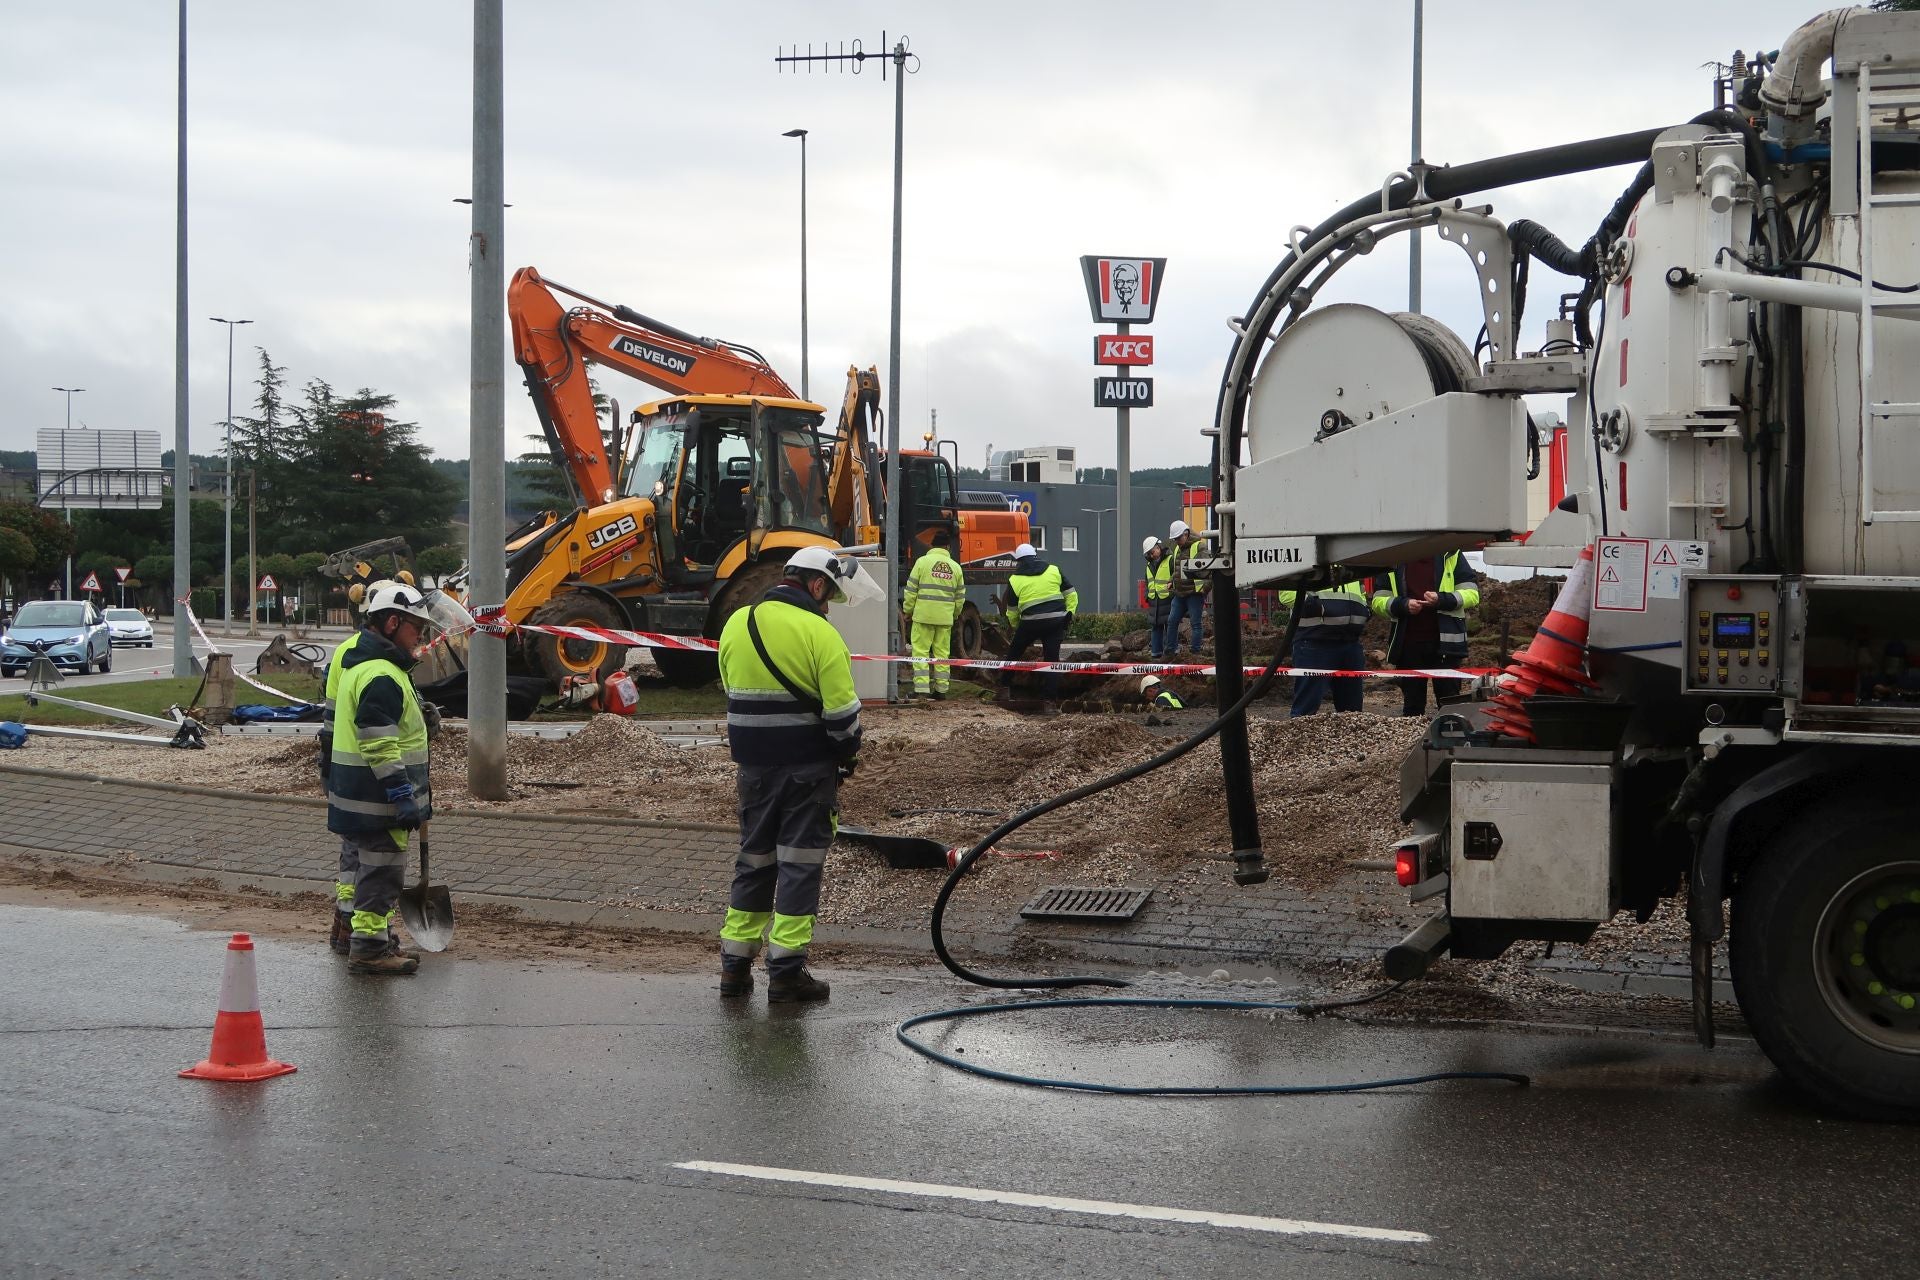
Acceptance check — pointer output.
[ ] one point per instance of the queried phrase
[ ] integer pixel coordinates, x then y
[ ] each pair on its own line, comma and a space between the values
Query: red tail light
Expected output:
1406, 867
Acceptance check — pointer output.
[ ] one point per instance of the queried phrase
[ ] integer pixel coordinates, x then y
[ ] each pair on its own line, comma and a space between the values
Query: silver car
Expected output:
129, 627
68, 632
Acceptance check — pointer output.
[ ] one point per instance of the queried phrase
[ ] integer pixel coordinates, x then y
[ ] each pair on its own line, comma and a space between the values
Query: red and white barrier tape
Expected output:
489, 620
264, 688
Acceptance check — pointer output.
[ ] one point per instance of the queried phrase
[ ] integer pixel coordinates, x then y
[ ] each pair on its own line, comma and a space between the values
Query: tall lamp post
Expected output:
226, 583
1098, 558
67, 505
802, 135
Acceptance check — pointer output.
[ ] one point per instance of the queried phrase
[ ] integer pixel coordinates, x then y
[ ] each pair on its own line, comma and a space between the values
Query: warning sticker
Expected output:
1620, 574
1671, 562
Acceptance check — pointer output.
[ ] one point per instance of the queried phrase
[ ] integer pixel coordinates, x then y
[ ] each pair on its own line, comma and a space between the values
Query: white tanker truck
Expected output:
1740, 364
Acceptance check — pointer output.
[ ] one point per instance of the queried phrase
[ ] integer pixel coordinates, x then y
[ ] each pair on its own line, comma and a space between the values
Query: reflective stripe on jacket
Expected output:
334, 665
1160, 578
379, 739
765, 723
1332, 615
1182, 584
935, 588
1459, 591
1041, 592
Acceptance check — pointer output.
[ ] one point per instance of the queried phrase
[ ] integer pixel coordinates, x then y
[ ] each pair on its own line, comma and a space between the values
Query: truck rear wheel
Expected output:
967, 631
1826, 957
558, 658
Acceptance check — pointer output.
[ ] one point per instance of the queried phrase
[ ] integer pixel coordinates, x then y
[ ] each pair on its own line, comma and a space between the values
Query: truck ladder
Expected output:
1902, 89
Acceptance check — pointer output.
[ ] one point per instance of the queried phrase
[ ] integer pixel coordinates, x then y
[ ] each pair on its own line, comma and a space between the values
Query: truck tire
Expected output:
557, 658
1826, 957
967, 633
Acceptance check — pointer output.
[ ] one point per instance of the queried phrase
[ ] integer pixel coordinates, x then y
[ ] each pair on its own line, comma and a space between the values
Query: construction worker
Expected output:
935, 589
793, 726
1158, 695
1428, 601
1042, 603
1332, 621
377, 788
341, 935
1188, 591
1159, 593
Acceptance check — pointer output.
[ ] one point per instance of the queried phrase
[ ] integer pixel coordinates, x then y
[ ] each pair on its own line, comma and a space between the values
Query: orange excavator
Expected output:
694, 510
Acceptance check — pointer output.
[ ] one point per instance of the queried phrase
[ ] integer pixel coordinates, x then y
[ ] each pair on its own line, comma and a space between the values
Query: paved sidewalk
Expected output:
583, 869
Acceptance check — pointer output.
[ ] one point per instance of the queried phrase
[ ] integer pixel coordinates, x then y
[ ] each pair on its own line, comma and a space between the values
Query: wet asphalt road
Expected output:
521, 1119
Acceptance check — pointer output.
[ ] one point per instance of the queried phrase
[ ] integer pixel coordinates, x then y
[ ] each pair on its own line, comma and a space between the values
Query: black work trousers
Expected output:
1047, 633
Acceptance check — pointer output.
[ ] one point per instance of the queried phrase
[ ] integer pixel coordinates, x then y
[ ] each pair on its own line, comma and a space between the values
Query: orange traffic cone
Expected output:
1555, 660
239, 1049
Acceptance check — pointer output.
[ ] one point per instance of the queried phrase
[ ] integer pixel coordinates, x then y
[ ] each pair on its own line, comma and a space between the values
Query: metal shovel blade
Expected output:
903, 853
427, 908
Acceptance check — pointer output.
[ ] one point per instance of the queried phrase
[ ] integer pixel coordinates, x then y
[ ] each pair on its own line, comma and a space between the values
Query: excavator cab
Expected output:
718, 467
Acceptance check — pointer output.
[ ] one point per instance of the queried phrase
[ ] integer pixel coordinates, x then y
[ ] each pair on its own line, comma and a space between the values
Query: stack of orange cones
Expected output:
239, 1049
1554, 661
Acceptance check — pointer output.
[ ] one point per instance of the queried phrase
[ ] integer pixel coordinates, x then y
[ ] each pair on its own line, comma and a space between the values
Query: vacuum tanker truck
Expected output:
1726, 704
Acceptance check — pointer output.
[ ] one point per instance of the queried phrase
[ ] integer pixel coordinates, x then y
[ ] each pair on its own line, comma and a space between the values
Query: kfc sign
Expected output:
1123, 290
1122, 348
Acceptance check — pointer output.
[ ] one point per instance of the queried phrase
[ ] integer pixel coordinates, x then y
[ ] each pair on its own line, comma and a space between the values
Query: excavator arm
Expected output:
853, 482
554, 344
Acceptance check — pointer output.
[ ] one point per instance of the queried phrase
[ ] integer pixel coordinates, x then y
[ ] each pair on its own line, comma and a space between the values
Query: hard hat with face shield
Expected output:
850, 584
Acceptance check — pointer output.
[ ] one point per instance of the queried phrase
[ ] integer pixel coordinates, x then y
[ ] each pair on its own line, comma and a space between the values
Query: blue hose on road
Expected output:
1143, 1002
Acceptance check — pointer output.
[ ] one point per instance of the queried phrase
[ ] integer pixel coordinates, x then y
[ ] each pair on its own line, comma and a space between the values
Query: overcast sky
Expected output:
645, 164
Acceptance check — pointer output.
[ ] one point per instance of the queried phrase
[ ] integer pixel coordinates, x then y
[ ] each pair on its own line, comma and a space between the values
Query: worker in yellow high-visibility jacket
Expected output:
936, 589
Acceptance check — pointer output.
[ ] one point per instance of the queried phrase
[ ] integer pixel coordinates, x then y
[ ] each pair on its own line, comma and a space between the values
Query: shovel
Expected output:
427, 908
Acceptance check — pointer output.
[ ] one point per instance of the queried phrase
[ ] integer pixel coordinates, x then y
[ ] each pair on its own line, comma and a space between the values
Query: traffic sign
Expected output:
1123, 348
91, 582
1123, 393
121, 572
267, 583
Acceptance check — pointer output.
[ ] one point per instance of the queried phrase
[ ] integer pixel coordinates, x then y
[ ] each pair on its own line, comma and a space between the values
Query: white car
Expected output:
129, 627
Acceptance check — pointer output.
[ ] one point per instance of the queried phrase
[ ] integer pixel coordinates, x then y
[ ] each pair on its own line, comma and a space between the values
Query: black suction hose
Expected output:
1018, 820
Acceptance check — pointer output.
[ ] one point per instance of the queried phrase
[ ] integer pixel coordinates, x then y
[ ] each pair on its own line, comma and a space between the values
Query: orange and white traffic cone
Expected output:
1555, 660
239, 1049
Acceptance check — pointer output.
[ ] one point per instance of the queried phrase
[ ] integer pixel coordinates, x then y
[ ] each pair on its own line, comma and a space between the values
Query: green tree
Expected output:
16, 559
437, 562
310, 585
338, 470
52, 537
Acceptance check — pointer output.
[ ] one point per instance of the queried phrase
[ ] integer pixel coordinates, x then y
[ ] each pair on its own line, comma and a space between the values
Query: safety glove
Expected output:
406, 807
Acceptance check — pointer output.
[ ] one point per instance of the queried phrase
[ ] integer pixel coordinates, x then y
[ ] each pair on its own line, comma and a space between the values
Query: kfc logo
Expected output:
1122, 348
1123, 290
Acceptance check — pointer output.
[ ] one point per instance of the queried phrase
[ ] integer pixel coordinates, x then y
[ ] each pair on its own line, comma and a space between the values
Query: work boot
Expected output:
796, 986
384, 962
736, 982
340, 937
939, 695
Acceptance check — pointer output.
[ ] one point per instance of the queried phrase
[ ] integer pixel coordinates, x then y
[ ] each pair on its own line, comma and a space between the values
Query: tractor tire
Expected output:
969, 633
557, 658
1825, 954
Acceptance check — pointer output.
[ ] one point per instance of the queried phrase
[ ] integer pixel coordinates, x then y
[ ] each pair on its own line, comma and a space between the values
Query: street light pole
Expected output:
802, 135
66, 506
226, 583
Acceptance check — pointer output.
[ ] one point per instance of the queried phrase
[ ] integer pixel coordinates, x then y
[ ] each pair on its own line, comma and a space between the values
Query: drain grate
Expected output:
1084, 902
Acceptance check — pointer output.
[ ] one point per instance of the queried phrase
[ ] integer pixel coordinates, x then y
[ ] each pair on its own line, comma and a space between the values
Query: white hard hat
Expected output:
1148, 543
398, 597
849, 584
1024, 550
1148, 683
1177, 529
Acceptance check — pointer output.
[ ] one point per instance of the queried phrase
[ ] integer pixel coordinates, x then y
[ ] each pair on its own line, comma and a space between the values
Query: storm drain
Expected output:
1082, 902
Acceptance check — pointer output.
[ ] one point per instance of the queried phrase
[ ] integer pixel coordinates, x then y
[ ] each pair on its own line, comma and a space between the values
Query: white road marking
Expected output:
1063, 1204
